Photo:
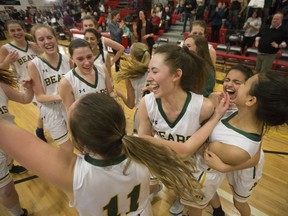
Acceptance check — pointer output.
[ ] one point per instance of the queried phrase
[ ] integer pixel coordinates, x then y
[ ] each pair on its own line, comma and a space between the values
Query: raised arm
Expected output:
213, 56
7, 58
108, 64
130, 99
38, 88
116, 46
108, 82
52, 164
17, 96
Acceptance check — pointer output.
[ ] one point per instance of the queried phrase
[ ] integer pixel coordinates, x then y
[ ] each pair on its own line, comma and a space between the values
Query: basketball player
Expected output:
86, 77
46, 72
8, 195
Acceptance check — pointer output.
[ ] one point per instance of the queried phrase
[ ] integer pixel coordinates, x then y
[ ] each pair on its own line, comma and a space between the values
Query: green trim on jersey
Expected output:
96, 57
84, 81
25, 50
173, 124
59, 63
104, 163
252, 136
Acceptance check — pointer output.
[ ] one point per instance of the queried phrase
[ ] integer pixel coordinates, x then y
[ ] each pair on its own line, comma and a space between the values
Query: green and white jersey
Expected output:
81, 87
103, 188
50, 76
24, 56
186, 123
99, 60
241, 181
226, 133
4, 113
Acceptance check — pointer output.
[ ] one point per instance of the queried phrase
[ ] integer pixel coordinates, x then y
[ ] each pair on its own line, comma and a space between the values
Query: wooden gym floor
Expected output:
270, 197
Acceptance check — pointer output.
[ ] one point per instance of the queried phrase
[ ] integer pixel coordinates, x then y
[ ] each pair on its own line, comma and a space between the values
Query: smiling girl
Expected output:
18, 52
175, 109
46, 72
86, 77
101, 56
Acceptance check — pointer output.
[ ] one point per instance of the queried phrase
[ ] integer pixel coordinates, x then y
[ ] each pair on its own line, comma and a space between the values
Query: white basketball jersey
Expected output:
226, 133
137, 85
99, 58
186, 123
50, 76
4, 113
246, 141
20, 65
102, 188
81, 87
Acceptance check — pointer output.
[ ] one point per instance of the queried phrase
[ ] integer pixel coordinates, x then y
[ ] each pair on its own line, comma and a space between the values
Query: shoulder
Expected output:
64, 82
206, 109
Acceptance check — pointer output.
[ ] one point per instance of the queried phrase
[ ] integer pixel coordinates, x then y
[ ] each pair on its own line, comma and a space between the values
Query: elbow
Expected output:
130, 106
121, 50
39, 100
27, 101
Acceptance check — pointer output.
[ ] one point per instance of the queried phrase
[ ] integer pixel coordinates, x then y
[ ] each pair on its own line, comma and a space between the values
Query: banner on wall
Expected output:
9, 2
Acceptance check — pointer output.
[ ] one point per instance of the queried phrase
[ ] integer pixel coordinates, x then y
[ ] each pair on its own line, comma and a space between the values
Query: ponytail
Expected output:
8, 77
165, 164
131, 69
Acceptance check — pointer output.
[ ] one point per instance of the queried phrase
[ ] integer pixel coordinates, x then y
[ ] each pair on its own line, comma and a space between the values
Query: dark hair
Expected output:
202, 48
271, 93
246, 71
139, 22
201, 23
88, 17
98, 36
77, 43
255, 11
114, 13
14, 22
194, 74
98, 126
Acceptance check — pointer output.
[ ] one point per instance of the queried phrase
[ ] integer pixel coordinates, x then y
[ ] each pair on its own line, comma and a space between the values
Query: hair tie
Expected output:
186, 50
122, 136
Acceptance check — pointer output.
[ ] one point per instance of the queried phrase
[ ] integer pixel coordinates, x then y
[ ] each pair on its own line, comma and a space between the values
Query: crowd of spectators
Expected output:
238, 16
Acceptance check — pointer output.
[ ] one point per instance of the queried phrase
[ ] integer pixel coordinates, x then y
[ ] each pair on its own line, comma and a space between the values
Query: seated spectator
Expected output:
155, 22
166, 19
102, 22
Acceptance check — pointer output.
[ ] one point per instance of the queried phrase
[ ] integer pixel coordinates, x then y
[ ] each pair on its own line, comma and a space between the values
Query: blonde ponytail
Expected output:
165, 164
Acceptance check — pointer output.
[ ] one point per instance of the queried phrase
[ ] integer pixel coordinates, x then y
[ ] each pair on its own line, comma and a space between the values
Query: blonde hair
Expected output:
38, 26
174, 172
136, 65
8, 77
